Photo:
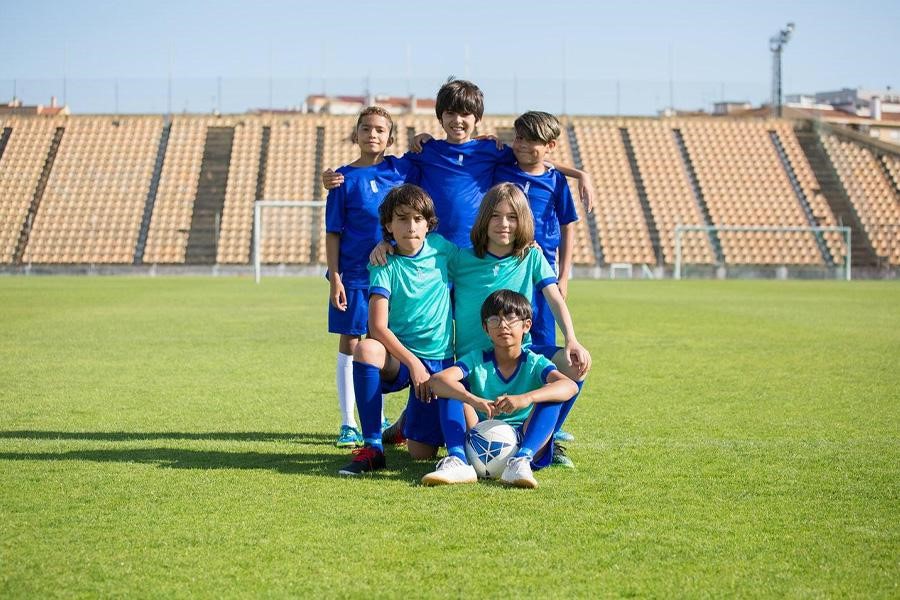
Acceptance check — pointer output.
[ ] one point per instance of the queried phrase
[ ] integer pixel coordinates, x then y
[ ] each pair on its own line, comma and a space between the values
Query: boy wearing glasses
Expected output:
507, 382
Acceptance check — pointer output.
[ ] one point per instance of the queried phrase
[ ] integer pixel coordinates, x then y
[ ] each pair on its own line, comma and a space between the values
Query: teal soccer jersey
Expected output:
476, 278
419, 297
485, 380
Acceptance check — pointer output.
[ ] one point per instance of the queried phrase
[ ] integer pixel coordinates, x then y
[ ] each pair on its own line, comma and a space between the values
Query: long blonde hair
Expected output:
524, 236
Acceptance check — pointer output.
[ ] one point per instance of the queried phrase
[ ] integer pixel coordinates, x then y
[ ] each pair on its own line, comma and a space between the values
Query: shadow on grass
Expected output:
400, 466
124, 436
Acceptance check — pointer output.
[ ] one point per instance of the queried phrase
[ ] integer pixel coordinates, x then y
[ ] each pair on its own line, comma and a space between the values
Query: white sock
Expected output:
346, 397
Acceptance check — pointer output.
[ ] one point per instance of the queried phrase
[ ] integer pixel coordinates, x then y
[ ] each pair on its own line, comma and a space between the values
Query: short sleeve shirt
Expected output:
485, 380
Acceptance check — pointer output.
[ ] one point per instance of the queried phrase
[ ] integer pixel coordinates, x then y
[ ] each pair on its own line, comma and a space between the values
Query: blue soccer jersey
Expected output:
485, 380
418, 293
457, 176
476, 278
550, 200
352, 211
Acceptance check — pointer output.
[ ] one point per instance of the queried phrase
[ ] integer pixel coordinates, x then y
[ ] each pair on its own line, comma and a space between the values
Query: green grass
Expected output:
172, 437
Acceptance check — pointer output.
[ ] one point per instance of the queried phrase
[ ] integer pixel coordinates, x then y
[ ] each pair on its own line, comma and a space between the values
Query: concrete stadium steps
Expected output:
642, 195
714, 240
801, 197
862, 253
151, 194
25, 233
210, 200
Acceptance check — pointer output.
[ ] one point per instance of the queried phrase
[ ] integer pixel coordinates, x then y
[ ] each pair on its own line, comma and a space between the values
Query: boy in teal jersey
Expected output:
507, 382
410, 329
503, 257
352, 230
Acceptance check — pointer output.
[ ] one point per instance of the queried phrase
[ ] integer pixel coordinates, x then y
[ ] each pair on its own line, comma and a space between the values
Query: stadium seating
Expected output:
744, 184
240, 193
873, 195
668, 190
20, 169
620, 220
94, 198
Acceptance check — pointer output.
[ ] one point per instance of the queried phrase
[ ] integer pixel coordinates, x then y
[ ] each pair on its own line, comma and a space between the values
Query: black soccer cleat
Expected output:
365, 460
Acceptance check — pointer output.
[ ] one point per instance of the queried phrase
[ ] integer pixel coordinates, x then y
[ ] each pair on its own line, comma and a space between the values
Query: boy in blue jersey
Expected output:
457, 171
551, 205
507, 382
410, 329
352, 229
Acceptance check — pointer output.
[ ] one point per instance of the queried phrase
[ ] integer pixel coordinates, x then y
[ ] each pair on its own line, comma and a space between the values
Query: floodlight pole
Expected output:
776, 44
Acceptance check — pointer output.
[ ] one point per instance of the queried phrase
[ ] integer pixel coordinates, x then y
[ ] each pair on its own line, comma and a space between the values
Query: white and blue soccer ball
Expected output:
489, 445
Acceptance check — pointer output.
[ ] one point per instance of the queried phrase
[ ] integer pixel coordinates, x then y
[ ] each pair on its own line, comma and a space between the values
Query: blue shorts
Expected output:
354, 320
423, 421
543, 325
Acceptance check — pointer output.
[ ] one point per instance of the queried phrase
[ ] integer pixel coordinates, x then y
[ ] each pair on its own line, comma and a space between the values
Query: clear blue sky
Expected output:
616, 56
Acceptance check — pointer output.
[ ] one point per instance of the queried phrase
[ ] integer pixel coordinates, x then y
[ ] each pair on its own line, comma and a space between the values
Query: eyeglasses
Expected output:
494, 322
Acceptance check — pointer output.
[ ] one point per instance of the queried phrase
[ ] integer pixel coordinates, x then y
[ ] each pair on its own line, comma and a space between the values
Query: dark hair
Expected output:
373, 110
459, 96
505, 302
537, 126
524, 236
410, 196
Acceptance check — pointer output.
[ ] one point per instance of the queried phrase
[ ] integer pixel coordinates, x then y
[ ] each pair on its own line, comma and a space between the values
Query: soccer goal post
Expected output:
259, 231
818, 234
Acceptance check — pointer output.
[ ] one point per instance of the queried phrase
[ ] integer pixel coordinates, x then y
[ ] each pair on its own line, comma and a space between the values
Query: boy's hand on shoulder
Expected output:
578, 357
331, 179
338, 295
493, 138
420, 140
378, 255
419, 376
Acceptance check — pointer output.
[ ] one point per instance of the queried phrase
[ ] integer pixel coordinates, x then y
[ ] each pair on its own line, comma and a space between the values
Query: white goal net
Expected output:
781, 252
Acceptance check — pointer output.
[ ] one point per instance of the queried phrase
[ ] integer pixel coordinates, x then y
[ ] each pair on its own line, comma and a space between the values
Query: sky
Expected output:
579, 57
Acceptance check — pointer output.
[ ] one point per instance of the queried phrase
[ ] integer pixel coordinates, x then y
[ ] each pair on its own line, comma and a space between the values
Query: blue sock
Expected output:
453, 424
540, 427
367, 387
566, 407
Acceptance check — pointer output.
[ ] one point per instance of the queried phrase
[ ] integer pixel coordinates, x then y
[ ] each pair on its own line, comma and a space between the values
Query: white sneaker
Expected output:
518, 473
450, 470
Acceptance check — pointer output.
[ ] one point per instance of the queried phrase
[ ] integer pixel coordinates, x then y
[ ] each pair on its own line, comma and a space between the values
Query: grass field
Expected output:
172, 437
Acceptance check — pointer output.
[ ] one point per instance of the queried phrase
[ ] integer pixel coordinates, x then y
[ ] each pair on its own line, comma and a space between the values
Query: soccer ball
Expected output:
489, 445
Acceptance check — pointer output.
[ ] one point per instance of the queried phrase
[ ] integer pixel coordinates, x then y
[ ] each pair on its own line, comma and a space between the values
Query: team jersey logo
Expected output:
527, 187
496, 269
374, 186
486, 450
459, 160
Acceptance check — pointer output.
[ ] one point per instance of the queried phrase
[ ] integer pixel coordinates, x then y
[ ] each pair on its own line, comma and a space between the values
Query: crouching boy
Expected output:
508, 382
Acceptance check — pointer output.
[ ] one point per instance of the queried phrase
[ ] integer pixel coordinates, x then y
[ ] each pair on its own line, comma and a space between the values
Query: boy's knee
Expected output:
369, 351
570, 371
420, 451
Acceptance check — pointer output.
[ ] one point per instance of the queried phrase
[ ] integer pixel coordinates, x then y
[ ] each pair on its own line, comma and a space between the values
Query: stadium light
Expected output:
776, 44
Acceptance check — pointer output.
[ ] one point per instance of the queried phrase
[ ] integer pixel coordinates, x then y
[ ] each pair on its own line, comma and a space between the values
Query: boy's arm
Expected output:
558, 388
378, 330
419, 140
338, 295
576, 354
585, 183
566, 250
448, 384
